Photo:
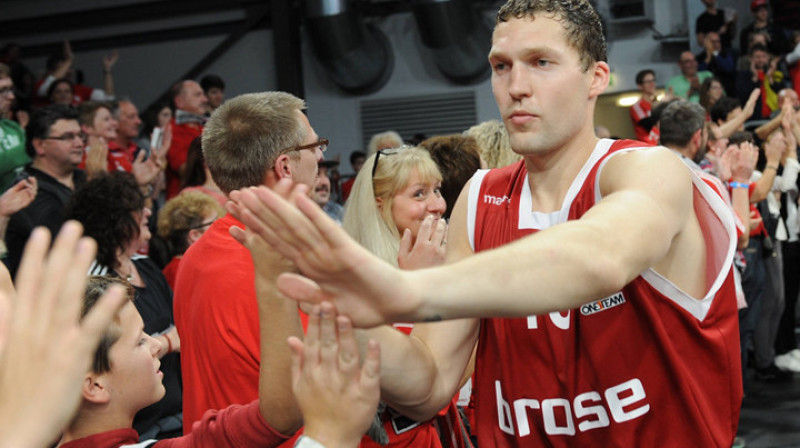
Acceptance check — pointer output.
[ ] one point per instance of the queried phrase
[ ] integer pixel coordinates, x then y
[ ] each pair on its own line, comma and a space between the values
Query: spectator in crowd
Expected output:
12, 136
182, 221
357, 159
253, 139
55, 144
720, 61
112, 211
396, 212
763, 74
458, 158
60, 66
493, 143
687, 84
214, 88
710, 92
198, 177
643, 122
718, 20
322, 191
190, 109
61, 92
100, 128
384, 140
777, 42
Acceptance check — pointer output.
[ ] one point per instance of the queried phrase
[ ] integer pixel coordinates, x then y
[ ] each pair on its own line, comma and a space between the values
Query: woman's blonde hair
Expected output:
373, 227
494, 143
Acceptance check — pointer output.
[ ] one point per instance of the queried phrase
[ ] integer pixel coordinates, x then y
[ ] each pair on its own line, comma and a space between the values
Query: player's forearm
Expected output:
535, 275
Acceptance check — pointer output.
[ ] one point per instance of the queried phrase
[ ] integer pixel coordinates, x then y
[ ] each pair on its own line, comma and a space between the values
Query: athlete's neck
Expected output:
551, 174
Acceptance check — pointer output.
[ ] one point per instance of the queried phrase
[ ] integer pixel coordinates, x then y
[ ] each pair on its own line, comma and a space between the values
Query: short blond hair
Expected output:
182, 213
246, 134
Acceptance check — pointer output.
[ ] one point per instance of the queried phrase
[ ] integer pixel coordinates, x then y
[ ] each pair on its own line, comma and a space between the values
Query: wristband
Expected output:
772, 167
738, 185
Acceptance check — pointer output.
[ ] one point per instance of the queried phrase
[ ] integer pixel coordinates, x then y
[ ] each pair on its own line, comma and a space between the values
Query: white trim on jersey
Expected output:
144, 444
528, 219
696, 307
472, 204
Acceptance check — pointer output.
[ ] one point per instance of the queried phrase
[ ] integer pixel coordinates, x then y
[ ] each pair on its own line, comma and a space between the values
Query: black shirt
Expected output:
47, 210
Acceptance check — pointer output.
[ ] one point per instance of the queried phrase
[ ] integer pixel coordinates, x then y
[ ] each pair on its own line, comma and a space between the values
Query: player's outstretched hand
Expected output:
336, 268
338, 397
45, 347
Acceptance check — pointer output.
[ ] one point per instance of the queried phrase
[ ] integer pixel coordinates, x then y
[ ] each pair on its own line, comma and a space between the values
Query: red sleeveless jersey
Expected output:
646, 366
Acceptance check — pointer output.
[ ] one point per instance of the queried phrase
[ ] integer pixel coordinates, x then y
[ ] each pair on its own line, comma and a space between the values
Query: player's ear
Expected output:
600, 76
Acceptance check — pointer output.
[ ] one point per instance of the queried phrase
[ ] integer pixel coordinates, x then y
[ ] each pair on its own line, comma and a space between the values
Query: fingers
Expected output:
96, 322
440, 235
425, 229
405, 244
311, 352
348, 347
238, 234
29, 274
297, 347
371, 369
299, 288
329, 341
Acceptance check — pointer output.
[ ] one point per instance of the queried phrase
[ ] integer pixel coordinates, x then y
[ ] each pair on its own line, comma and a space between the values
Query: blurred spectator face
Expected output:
713, 38
62, 94
104, 125
63, 153
129, 120
648, 85
791, 96
359, 162
322, 189
715, 91
760, 59
164, 117
216, 97
761, 14
6, 95
191, 99
688, 64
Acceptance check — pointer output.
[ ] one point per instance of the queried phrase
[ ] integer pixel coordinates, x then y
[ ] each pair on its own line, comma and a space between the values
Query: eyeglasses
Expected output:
202, 224
6, 91
69, 136
322, 144
386, 152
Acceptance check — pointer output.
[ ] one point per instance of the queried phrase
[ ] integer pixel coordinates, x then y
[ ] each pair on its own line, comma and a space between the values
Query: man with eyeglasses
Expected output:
55, 143
12, 137
687, 84
251, 140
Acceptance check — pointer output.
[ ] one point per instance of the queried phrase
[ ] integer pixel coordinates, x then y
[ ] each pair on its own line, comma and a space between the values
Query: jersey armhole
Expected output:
472, 204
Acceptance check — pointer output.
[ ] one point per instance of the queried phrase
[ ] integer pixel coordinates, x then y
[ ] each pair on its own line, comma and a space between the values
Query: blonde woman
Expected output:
395, 210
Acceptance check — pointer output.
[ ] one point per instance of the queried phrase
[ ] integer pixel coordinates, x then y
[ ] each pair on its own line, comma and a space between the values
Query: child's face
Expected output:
135, 377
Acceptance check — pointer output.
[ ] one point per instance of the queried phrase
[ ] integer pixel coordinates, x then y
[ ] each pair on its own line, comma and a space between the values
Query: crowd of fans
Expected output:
148, 187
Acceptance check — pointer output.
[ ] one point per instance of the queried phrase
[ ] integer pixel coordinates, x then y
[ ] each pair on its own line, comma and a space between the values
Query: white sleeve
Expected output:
45, 86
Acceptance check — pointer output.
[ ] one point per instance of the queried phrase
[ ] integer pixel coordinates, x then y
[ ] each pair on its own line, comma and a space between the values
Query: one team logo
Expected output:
603, 304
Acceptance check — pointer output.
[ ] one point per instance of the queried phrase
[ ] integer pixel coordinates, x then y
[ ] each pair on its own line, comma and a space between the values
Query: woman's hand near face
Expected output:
428, 250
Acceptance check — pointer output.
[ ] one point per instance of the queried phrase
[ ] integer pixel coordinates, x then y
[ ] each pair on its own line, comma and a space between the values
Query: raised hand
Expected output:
429, 249
19, 196
337, 397
360, 285
46, 347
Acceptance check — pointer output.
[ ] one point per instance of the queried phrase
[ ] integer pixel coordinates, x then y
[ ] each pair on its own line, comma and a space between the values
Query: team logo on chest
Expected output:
603, 304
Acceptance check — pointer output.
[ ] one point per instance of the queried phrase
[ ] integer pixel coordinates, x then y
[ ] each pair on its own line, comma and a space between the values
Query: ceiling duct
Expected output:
356, 56
458, 37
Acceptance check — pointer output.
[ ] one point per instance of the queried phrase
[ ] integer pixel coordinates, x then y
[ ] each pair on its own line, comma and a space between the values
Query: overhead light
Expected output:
628, 100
